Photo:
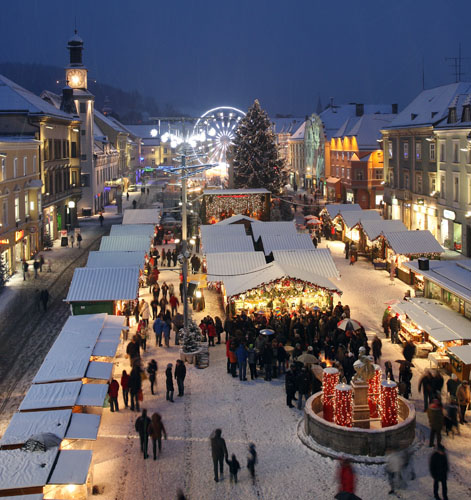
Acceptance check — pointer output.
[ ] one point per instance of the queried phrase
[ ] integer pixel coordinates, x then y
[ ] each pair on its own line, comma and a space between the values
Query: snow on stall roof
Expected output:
87, 324
114, 321
353, 217
462, 352
412, 242
83, 426
220, 265
318, 261
211, 231
23, 425
298, 241
235, 218
335, 209
125, 243
116, 259
141, 216
454, 276
374, 228
99, 370
278, 227
232, 192
103, 284
228, 244
108, 341
72, 467
42, 396
25, 469
92, 395
133, 229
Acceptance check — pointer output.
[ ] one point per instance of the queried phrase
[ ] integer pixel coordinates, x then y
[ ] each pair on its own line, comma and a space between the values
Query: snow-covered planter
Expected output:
191, 340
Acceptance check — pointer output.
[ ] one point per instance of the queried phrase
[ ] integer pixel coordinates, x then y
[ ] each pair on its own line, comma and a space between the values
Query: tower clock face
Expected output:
77, 78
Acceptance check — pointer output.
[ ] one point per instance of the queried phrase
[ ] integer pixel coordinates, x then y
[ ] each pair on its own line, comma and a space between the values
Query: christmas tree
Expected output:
191, 337
47, 241
255, 153
3, 273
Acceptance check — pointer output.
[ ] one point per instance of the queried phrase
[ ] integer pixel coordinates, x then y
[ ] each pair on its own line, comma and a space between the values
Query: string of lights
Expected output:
343, 405
330, 379
389, 405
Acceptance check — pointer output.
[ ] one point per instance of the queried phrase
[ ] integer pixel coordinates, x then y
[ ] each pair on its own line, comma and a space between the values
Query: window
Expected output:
17, 208
74, 149
165, 151
83, 107
456, 188
34, 164
433, 184
153, 162
26, 203
4, 170
379, 174
343, 156
74, 178
57, 149
25, 165
83, 157
406, 180
418, 150
456, 152
50, 148
390, 149
432, 151
391, 178
359, 175
343, 173
418, 183
5, 213
64, 149
442, 151
442, 186
469, 189
348, 173
85, 178
406, 150
82, 131
15, 168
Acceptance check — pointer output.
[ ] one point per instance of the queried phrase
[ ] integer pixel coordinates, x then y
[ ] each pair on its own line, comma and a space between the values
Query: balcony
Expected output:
62, 195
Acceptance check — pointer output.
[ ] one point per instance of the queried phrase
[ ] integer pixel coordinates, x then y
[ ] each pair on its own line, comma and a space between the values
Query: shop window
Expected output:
26, 203
435, 292
433, 184
390, 149
432, 151
456, 188
457, 245
379, 174
418, 150
74, 149
406, 150
359, 175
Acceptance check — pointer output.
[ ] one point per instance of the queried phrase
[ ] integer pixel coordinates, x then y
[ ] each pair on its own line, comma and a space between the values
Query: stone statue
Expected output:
363, 367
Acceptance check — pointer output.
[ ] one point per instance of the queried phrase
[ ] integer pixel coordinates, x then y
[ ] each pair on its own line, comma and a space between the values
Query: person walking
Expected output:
174, 303
158, 329
41, 263
44, 296
142, 332
79, 239
144, 311
251, 461
436, 419
155, 430
395, 327
252, 359
302, 386
152, 371
232, 358
101, 218
25, 269
290, 386
142, 427
452, 385
267, 357
463, 397
211, 333
125, 388
218, 453
425, 385
346, 477
133, 350
113, 391
36, 268
242, 355
135, 386
72, 240
376, 346
166, 332
180, 374
439, 471
234, 468
346, 249
169, 383
281, 357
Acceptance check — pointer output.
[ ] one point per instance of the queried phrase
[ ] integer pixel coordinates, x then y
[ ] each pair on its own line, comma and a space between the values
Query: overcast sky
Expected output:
198, 54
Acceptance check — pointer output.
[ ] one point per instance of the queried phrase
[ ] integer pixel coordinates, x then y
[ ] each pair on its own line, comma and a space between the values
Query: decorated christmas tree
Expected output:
255, 153
191, 337
3, 273
47, 241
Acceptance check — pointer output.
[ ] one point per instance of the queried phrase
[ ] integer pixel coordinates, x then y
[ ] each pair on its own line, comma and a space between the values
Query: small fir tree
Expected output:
4, 276
255, 153
190, 338
47, 241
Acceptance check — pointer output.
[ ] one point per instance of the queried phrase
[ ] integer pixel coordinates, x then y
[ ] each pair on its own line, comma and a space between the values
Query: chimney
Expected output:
360, 109
394, 109
68, 103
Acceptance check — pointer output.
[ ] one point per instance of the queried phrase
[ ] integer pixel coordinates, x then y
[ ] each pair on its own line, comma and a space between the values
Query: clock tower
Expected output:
76, 73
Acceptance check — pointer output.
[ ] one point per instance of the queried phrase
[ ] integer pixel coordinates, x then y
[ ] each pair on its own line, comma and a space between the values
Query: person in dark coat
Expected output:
234, 468
169, 258
267, 357
113, 391
439, 471
302, 386
44, 296
376, 346
142, 426
452, 385
395, 327
132, 350
425, 385
155, 430
135, 385
436, 421
218, 452
125, 388
290, 386
180, 374
152, 371
389, 371
174, 257
251, 461
169, 382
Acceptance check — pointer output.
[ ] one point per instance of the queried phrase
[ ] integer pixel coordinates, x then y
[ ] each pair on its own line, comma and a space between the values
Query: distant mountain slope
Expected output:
129, 107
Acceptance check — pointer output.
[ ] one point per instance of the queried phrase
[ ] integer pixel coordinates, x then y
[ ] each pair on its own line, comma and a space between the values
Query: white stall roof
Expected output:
463, 352
318, 261
25, 469
146, 230
413, 242
24, 425
235, 218
228, 244
116, 259
297, 241
374, 228
83, 426
42, 396
272, 228
98, 370
86, 324
141, 216
34, 496
353, 217
106, 347
103, 284
92, 395
115, 321
336, 208
125, 243
220, 265
72, 467
211, 231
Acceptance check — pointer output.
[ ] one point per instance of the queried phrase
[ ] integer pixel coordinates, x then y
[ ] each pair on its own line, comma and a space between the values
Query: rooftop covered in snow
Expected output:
413, 242
141, 216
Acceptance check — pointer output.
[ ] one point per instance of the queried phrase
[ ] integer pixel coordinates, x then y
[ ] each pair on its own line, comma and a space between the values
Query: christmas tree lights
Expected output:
330, 379
388, 407
343, 405
374, 390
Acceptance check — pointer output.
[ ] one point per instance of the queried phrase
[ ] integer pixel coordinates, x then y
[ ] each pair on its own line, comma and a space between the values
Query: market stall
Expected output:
460, 360
370, 240
141, 216
351, 219
295, 241
116, 259
126, 243
140, 230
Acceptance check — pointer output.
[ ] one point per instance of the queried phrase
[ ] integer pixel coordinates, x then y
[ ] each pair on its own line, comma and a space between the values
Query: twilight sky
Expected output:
198, 54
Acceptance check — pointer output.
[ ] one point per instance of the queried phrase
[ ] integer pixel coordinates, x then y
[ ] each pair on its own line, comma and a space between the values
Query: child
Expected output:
251, 461
234, 468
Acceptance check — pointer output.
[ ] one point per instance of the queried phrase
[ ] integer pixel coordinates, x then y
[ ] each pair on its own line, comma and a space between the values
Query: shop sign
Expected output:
19, 235
4, 241
449, 214
420, 201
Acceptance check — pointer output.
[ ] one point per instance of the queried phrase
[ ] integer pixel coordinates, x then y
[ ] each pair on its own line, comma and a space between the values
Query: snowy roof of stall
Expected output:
318, 261
125, 243
412, 242
210, 231
141, 216
453, 275
463, 352
83, 426
147, 230
108, 342
98, 284
235, 218
25, 469
296, 241
275, 228
72, 467
352, 217
221, 265
374, 228
92, 394
116, 259
42, 396
228, 244
99, 370
335, 209
233, 192
271, 272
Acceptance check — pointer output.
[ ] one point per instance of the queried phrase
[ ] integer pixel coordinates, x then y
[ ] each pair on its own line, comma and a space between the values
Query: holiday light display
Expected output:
374, 390
388, 406
330, 379
343, 405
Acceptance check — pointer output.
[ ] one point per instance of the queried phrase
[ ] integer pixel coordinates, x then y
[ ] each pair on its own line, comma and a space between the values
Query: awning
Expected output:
413, 242
116, 259
462, 352
83, 426
126, 243
42, 396
99, 370
221, 265
72, 467
92, 395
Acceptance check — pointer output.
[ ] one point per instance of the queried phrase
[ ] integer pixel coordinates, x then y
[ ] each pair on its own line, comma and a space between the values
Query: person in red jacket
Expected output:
125, 387
211, 333
346, 477
113, 390
174, 303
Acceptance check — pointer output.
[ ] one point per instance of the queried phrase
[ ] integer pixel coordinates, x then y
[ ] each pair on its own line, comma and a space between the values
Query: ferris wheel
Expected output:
215, 131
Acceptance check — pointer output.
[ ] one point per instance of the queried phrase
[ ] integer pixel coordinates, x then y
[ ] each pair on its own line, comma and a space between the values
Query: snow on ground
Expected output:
248, 411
